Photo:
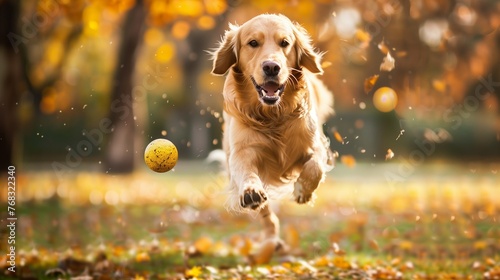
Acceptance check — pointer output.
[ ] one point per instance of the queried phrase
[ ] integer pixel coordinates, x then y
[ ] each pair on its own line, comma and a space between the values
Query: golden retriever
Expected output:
274, 110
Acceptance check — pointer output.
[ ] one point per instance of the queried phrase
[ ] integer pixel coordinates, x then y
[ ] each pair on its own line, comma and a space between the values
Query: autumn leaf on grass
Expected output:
370, 83
194, 272
203, 244
142, 257
322, 261
388, 63
340, 262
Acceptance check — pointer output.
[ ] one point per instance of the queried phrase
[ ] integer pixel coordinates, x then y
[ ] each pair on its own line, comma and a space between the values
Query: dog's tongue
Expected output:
271, 88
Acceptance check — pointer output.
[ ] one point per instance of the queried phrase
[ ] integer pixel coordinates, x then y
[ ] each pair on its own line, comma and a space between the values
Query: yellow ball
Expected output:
161, 155
385, 99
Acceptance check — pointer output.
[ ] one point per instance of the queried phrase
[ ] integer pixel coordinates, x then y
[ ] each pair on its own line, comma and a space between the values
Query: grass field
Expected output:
439, 221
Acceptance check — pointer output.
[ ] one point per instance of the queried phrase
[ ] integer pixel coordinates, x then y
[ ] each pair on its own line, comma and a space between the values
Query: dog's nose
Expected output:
271, 68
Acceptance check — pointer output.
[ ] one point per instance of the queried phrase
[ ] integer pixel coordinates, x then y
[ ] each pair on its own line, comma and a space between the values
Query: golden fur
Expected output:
273, 135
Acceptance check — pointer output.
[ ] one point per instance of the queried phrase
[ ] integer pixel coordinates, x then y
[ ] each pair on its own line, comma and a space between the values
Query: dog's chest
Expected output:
287, 149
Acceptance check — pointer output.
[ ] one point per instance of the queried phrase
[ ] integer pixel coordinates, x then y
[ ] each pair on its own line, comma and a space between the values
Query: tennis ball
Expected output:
161, 155
385, 99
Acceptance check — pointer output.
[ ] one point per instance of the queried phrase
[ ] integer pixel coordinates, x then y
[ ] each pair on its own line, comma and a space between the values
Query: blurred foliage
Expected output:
434, 55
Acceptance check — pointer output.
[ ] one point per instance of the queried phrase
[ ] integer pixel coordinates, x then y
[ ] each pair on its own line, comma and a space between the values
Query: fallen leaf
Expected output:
388, 63
370, 83
340, 262
265, 252
203, 244
194, 272
142, 257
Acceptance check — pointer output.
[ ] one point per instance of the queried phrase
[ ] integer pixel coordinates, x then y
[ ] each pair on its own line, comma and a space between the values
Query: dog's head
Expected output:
267, 50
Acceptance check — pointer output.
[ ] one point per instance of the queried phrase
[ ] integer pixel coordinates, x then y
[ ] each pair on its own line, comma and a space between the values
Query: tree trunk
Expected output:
10, 83
120, 152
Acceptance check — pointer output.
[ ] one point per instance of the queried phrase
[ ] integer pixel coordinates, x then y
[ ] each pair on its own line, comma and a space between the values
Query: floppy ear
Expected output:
306, 55
226, 55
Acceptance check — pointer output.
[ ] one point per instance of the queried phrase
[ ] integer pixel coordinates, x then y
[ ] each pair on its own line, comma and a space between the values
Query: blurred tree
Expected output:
18, 32
10, 82
120, 153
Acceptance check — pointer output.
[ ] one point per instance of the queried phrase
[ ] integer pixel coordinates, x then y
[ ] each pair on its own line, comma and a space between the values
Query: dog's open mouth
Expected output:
269, 92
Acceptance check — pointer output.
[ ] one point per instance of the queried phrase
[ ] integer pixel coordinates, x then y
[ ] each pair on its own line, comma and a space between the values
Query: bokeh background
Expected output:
85, 85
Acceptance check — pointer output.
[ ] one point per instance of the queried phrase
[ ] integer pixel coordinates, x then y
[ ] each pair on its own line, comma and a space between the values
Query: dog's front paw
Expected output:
253, 198
301, 195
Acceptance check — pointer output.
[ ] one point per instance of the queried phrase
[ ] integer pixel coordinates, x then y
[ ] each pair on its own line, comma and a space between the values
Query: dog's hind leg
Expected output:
271, 230
270, 222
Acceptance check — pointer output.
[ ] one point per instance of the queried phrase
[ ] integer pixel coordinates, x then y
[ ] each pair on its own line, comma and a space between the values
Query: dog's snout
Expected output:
271, 68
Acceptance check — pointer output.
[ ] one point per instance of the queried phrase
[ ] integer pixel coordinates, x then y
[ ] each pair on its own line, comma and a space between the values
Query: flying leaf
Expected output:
337, 136
348, 160
439, 85
292, 236
370, 83
337, 250
388, 63
362, 35
389, 155
326, 64
383, 47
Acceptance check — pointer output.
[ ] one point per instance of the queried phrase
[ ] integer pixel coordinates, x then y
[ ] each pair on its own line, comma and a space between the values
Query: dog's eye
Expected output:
284, 43
253, 44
